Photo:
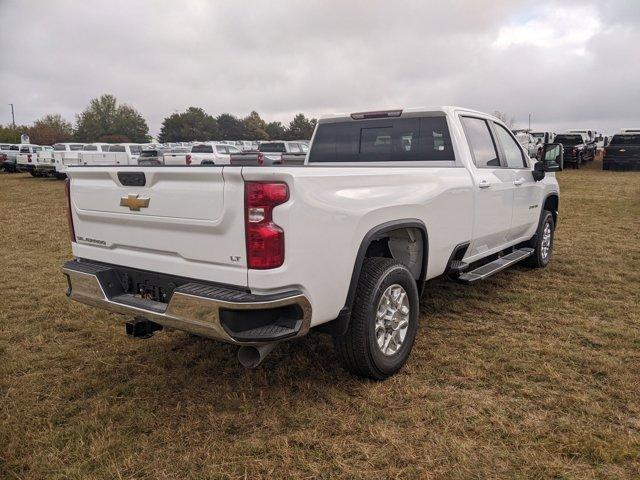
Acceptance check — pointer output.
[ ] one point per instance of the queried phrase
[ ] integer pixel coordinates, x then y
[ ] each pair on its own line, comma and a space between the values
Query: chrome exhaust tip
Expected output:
251, 357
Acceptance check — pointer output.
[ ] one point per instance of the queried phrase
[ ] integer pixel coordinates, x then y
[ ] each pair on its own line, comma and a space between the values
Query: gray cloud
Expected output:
567, 63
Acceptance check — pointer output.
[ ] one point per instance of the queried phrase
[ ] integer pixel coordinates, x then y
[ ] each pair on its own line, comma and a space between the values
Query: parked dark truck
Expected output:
623, 152
578, 149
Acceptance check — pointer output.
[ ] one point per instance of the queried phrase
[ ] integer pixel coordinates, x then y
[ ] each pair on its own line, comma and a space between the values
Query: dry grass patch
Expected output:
532, 374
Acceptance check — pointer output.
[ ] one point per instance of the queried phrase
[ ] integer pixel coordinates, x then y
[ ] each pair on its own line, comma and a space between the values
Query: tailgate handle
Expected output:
132, 179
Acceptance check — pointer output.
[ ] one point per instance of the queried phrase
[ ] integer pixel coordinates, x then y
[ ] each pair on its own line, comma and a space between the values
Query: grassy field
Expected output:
532, 374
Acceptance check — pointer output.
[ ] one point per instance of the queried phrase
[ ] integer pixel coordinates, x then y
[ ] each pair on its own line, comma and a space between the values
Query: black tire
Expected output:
539, 259
358, 348
34, 174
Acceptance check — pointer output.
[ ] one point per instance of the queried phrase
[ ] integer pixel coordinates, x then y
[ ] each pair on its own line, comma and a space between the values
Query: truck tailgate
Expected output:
183, 221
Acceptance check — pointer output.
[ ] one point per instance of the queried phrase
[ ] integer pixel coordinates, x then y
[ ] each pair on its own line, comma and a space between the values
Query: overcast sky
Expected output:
568, 63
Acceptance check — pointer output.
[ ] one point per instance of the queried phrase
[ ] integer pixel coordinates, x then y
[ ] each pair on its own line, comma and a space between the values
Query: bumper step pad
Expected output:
223, 313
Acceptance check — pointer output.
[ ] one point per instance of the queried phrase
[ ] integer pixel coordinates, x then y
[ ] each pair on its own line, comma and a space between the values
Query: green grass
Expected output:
531, 374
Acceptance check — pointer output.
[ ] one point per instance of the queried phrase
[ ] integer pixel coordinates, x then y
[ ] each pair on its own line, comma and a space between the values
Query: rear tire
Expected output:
543, 244
384, 320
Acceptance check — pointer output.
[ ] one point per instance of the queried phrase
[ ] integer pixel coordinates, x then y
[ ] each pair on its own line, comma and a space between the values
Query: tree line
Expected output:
106, 120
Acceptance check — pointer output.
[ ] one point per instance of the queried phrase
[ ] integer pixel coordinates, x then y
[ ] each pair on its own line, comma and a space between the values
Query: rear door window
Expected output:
625, 140
384, 140
277, 147
222, 149
481, 142
513, 154
75, 148
294, 148
202, 149
117, 148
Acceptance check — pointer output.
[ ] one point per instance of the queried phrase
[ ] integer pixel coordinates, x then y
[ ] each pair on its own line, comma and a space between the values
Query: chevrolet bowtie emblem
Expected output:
134, 203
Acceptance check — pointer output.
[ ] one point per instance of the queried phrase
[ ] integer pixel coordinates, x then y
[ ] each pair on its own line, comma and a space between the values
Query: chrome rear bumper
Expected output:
202, 309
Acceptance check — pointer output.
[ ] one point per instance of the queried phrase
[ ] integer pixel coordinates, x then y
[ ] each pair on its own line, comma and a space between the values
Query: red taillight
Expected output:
72, 230
29, 158
260, 158
265, 239
188, 159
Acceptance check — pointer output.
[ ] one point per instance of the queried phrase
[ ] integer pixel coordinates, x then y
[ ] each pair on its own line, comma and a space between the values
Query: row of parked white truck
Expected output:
55, 160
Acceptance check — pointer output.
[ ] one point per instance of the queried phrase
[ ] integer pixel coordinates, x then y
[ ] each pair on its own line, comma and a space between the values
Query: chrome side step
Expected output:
497, 265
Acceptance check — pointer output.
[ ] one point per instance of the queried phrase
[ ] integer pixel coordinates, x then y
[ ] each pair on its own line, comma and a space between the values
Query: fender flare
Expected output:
556, 212
340, 325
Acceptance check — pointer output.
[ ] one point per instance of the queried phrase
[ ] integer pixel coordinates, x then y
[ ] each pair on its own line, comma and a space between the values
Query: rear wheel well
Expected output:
406, 241
405, 245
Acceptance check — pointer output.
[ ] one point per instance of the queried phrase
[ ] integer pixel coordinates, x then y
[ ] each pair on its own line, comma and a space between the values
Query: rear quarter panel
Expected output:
331, 209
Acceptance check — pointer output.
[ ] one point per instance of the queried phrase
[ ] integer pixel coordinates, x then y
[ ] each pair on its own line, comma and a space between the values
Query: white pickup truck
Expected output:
46, 160
112, 154
65, 154
254, 256
26, 158
209, 153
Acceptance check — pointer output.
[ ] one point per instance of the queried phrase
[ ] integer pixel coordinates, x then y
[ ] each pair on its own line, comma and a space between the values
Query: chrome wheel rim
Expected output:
392, 319
545, 246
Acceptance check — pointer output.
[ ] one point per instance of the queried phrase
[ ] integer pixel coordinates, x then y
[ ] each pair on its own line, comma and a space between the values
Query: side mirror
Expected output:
538, 171
552, 157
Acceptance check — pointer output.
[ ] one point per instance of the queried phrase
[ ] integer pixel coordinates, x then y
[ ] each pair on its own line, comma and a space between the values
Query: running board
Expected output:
497, 265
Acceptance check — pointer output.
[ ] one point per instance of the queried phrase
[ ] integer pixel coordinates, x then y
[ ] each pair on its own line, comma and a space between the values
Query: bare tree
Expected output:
508, 121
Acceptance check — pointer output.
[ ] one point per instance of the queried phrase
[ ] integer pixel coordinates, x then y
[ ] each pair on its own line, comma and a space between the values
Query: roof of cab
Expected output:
411, 111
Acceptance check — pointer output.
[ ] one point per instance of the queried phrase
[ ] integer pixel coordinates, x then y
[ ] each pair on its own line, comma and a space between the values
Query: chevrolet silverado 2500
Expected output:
253, 256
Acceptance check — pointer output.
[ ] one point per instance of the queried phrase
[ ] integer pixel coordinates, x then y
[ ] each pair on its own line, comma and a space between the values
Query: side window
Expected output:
512, 152
222, 149
481, 142
294, 148
304, 147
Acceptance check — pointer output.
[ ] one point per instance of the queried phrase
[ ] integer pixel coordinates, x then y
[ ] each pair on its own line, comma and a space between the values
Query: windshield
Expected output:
277, 147
625, 140
569, 139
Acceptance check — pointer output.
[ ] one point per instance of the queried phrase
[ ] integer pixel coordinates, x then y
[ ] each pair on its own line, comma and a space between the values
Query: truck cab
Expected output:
579, 148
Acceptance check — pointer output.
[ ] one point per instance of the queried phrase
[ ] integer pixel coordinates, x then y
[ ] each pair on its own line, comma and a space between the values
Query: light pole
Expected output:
529, 123
13, 117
